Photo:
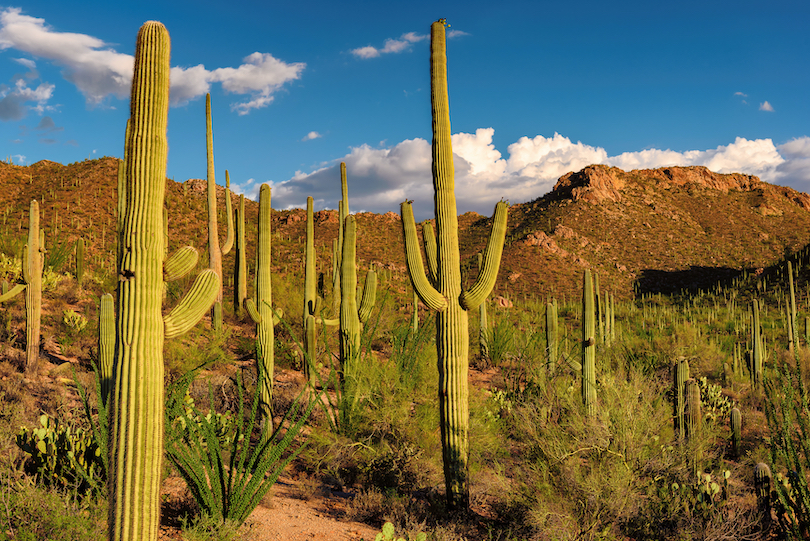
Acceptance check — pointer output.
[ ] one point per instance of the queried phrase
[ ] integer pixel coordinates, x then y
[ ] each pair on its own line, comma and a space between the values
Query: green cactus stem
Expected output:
215, 252
415, 315
762, 487
793, 332
483, 324
79, 260
137, 400
693, 415
261, 310
757, 353
680, 374
106, 345
33, 260
240, 260
444, 294
588, 345
552, 345
735, 420
310, 293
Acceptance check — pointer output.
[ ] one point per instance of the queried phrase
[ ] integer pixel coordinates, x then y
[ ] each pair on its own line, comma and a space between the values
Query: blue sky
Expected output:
537, 89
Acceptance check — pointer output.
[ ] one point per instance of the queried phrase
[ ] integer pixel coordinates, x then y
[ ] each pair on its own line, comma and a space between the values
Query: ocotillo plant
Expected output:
588, 345
33, 261
215, 252
261, 310
446, 296
352, 316
137, 402
680, 373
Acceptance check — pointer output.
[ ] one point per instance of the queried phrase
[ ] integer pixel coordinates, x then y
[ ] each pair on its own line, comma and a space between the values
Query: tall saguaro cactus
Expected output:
588, 345
137, 401
32, 262
240, 260
442, 292
757, 353
215, 252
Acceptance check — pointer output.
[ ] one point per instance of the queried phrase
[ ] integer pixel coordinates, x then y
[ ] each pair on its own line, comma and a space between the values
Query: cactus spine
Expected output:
215, 252
588, 345
680, 373
136, 415
447, 297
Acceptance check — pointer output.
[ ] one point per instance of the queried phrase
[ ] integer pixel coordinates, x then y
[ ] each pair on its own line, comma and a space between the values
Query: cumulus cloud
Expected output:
391, 45
765, 106
381, 178
311, 135
98, 71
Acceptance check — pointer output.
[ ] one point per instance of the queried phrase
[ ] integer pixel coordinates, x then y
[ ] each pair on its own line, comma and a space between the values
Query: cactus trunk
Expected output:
588, 345
33, 261
136, 416
265, 335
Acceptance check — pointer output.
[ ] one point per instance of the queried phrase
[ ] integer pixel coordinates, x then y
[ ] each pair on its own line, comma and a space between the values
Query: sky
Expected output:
537, 89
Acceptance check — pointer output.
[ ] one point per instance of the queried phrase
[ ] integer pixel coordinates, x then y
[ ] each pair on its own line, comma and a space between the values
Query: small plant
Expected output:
73, 321
388, 534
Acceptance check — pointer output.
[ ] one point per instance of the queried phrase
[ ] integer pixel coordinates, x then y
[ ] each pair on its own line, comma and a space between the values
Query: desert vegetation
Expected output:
448, 396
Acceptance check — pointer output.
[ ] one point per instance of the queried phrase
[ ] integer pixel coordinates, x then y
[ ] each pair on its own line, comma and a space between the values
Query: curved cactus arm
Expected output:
13, 292
180, 263
253, 312
429, 240
369, 296
197, 301
483, 285
328, 322
278, 313
427, 293
230, 235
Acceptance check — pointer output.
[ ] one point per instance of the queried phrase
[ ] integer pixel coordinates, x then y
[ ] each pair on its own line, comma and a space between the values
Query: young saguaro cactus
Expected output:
443, 292
106, 345
33, 261
588, 345
757, 353
735, 419
137, 401
552, 346
215, 252
680, 374
483, 323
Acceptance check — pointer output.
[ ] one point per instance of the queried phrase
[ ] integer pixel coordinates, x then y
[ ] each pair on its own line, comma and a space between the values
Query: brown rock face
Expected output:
593, 184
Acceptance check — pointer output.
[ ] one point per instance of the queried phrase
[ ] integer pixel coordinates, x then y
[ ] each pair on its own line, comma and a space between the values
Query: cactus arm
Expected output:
229, 236
240, 286
429, 240
250, 307
483, 285
214, 250
349, 318
427, 293
369, 296
180, 263
13, 292
193, 305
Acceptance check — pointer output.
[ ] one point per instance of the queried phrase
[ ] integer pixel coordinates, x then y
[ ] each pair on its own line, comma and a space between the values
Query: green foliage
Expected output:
228, 475
63, 456
73, 321
388, 534
10, 267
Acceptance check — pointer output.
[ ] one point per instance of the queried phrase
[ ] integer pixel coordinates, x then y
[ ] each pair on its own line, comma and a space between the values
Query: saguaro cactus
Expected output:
240, 260
32, 262
136, 415
483, 323
735, 420
442, 292
552, 346
106, 345
588, 345
757, 353
215, 252
680, 373
261, 309
694, 417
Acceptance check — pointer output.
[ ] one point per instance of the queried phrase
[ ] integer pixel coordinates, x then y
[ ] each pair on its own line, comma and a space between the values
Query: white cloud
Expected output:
28, 63
741, 94
311, 135
765, 106
98, 71
381, 178
17, 101
390, 46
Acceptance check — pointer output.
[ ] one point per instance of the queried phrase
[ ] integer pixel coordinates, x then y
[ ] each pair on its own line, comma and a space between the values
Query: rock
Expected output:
502, 302
513, 277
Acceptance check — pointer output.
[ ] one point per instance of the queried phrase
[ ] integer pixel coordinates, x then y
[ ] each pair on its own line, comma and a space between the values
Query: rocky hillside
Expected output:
645, 230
